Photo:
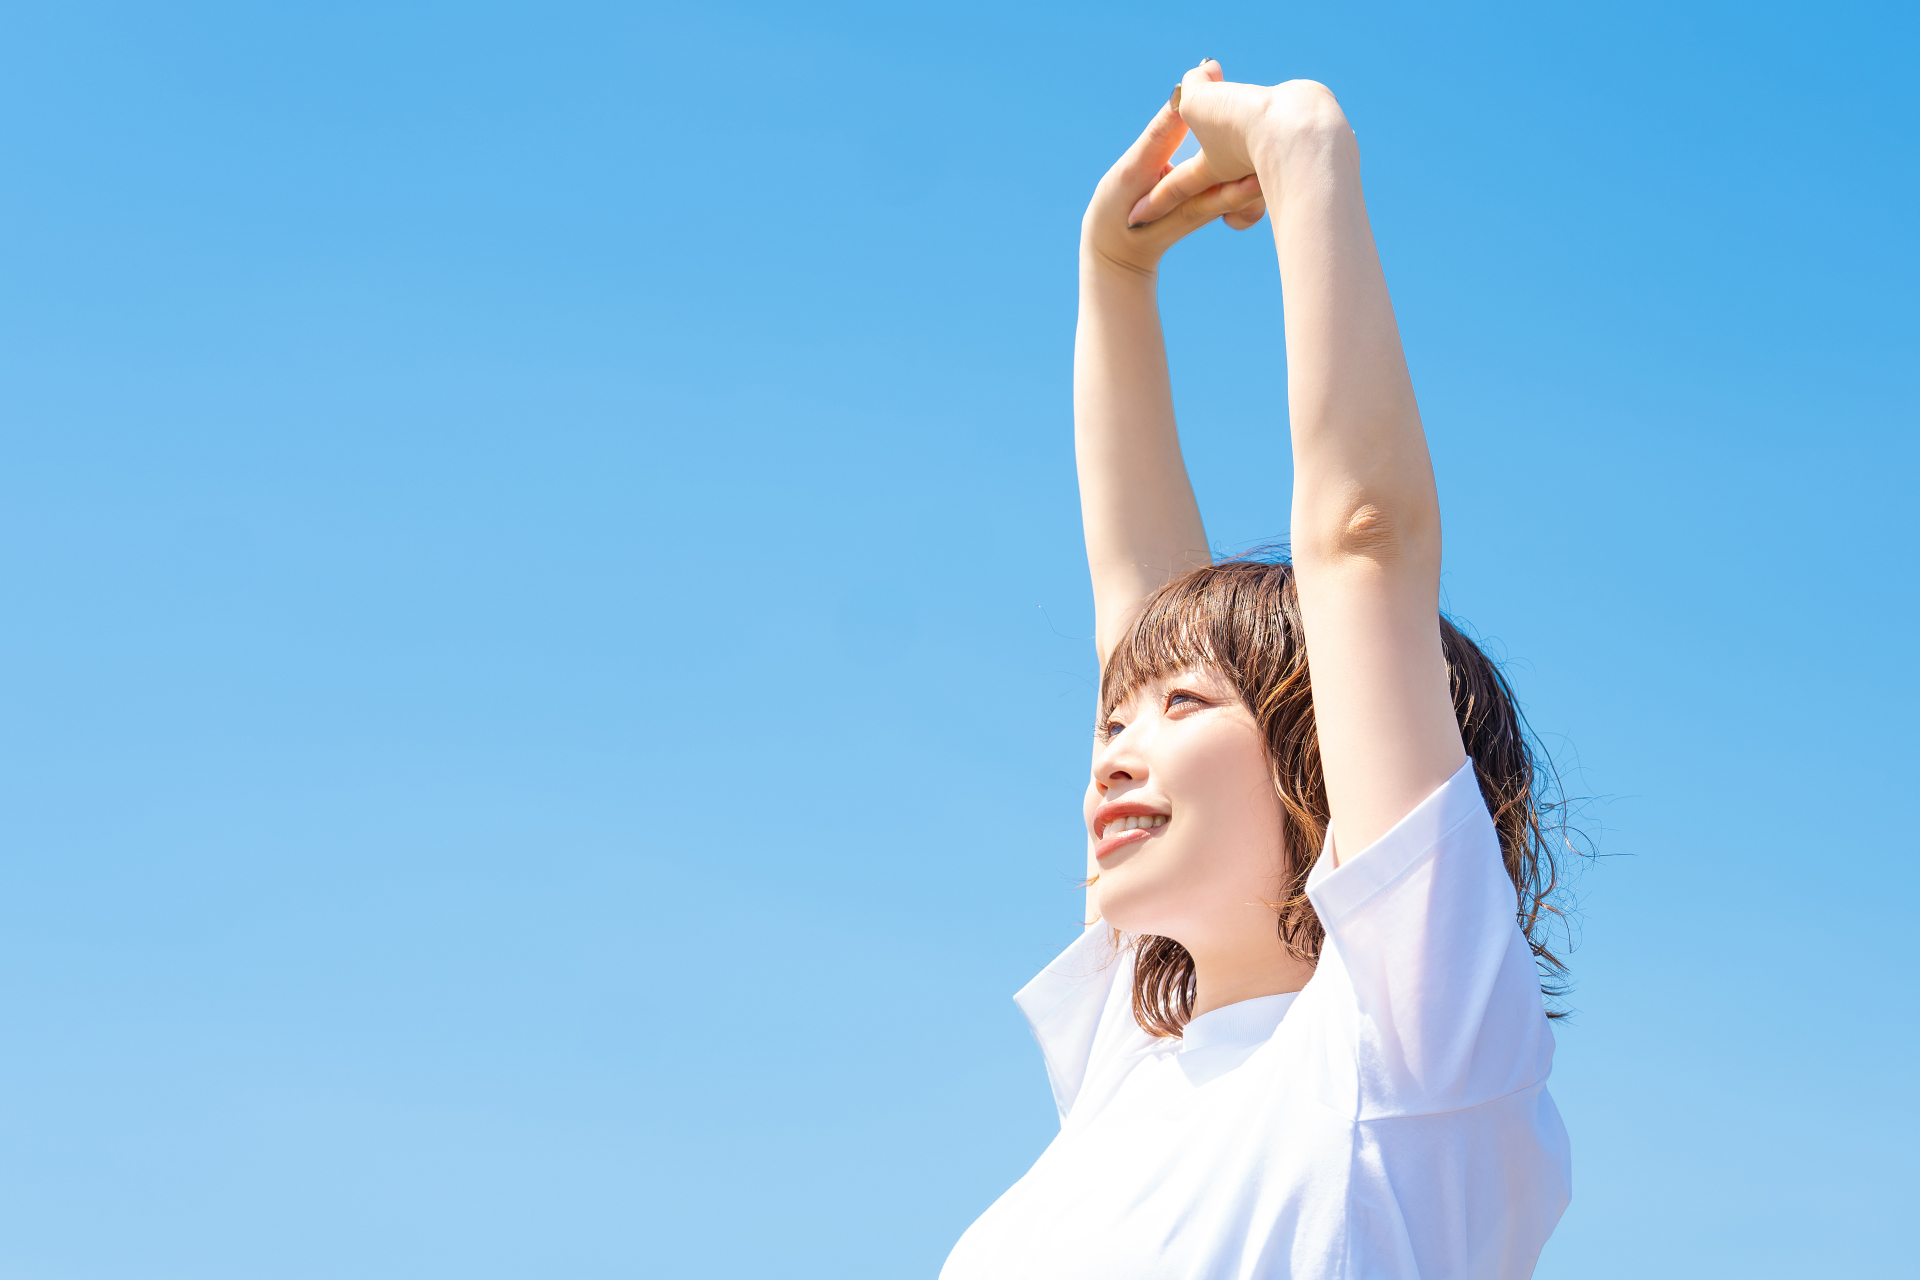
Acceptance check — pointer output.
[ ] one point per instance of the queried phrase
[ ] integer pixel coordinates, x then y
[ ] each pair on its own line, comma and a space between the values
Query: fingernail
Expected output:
1173, 100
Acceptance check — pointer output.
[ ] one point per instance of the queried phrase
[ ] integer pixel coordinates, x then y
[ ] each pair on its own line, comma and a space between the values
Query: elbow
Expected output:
1369, 531
1372, 530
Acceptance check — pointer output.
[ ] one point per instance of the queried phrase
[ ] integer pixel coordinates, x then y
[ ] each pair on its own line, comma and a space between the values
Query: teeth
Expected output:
1135, 821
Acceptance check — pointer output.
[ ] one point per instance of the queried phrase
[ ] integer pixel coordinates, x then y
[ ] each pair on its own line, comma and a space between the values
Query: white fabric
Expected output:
1389, 1121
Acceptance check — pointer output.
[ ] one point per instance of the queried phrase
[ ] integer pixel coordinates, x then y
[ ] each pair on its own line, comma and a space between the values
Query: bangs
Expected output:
1227, 616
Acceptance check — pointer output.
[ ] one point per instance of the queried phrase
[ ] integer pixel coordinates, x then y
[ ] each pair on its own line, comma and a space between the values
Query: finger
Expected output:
1230, 198
1209, 68
1219, 201
1240, 202
1156, 144
1204, 93
1196, 80
1186, 180
1155, 147
1243, 219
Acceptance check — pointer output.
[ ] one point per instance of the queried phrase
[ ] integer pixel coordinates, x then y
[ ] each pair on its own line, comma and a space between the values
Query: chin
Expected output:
1135, 909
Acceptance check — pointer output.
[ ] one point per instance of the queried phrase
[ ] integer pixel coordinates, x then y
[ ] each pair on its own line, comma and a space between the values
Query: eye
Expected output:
1109, 731
1181, 697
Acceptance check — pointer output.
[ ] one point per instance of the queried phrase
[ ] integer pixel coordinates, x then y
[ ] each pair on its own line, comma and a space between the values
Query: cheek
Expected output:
1221, 779
1234, 826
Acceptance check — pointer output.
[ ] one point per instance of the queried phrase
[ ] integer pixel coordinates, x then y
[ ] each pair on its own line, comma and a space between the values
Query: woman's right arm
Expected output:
1136, 506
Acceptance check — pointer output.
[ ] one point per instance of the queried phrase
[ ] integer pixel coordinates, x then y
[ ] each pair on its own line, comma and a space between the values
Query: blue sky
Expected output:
545, 682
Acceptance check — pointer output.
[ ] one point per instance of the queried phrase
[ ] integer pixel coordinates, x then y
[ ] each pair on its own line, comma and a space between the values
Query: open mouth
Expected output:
1126, 829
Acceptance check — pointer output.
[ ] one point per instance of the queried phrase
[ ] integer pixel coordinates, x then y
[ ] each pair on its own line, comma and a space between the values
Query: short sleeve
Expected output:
1441, 993
1081, 1010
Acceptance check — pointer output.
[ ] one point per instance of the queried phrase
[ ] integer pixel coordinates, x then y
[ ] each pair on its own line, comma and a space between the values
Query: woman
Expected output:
1308, 1038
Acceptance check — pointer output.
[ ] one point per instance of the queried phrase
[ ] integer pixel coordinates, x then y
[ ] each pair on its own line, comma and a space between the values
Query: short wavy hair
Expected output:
1241, 618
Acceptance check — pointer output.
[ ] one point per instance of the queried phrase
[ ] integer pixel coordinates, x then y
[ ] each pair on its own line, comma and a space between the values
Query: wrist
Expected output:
1107, 268
1300, 116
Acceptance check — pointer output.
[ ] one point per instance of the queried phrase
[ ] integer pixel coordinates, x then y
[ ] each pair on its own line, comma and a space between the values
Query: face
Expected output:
1183, 817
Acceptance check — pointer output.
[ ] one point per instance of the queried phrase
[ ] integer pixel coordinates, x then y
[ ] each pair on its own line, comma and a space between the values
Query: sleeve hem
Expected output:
1062, 1006
1338, 891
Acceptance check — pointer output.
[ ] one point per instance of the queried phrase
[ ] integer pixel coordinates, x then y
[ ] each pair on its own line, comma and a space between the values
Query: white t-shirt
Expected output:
1390, 1121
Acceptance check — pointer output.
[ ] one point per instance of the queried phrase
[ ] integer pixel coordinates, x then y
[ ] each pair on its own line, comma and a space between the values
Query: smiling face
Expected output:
1183, 817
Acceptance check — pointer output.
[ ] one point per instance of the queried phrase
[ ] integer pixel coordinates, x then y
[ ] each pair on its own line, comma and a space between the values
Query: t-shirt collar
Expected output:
1247, 1022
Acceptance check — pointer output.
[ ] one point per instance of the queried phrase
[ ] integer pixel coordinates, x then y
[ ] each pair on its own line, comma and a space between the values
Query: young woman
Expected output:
1304, 1036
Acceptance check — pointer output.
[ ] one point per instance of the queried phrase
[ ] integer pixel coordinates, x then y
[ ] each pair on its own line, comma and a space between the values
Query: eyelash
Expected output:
1111, 729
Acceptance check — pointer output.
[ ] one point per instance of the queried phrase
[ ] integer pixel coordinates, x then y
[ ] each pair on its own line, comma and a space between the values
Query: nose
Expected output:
1118, 762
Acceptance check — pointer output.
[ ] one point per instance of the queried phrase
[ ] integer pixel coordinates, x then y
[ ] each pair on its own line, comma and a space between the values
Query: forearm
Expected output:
1137, 508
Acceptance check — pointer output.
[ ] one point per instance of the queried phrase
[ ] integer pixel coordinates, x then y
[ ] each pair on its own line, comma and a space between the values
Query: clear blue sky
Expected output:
544, 690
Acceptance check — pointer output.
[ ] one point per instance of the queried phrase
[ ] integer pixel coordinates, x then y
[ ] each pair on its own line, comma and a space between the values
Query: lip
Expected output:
1107, 846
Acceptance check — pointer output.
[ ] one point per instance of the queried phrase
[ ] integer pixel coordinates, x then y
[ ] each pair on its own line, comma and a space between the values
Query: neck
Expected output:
1254, 968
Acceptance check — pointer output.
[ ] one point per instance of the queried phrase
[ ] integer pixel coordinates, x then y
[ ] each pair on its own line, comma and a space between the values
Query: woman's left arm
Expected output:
1366, 518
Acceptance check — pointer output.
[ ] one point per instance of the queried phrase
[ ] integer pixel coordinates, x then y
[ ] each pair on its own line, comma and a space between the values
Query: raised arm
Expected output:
1366, 518
1136, 505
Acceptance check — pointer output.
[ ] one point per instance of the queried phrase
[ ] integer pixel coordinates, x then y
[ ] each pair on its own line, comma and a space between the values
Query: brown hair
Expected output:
1242, 618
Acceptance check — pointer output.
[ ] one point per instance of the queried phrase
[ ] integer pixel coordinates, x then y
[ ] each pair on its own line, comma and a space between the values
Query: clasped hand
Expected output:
1146, 203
